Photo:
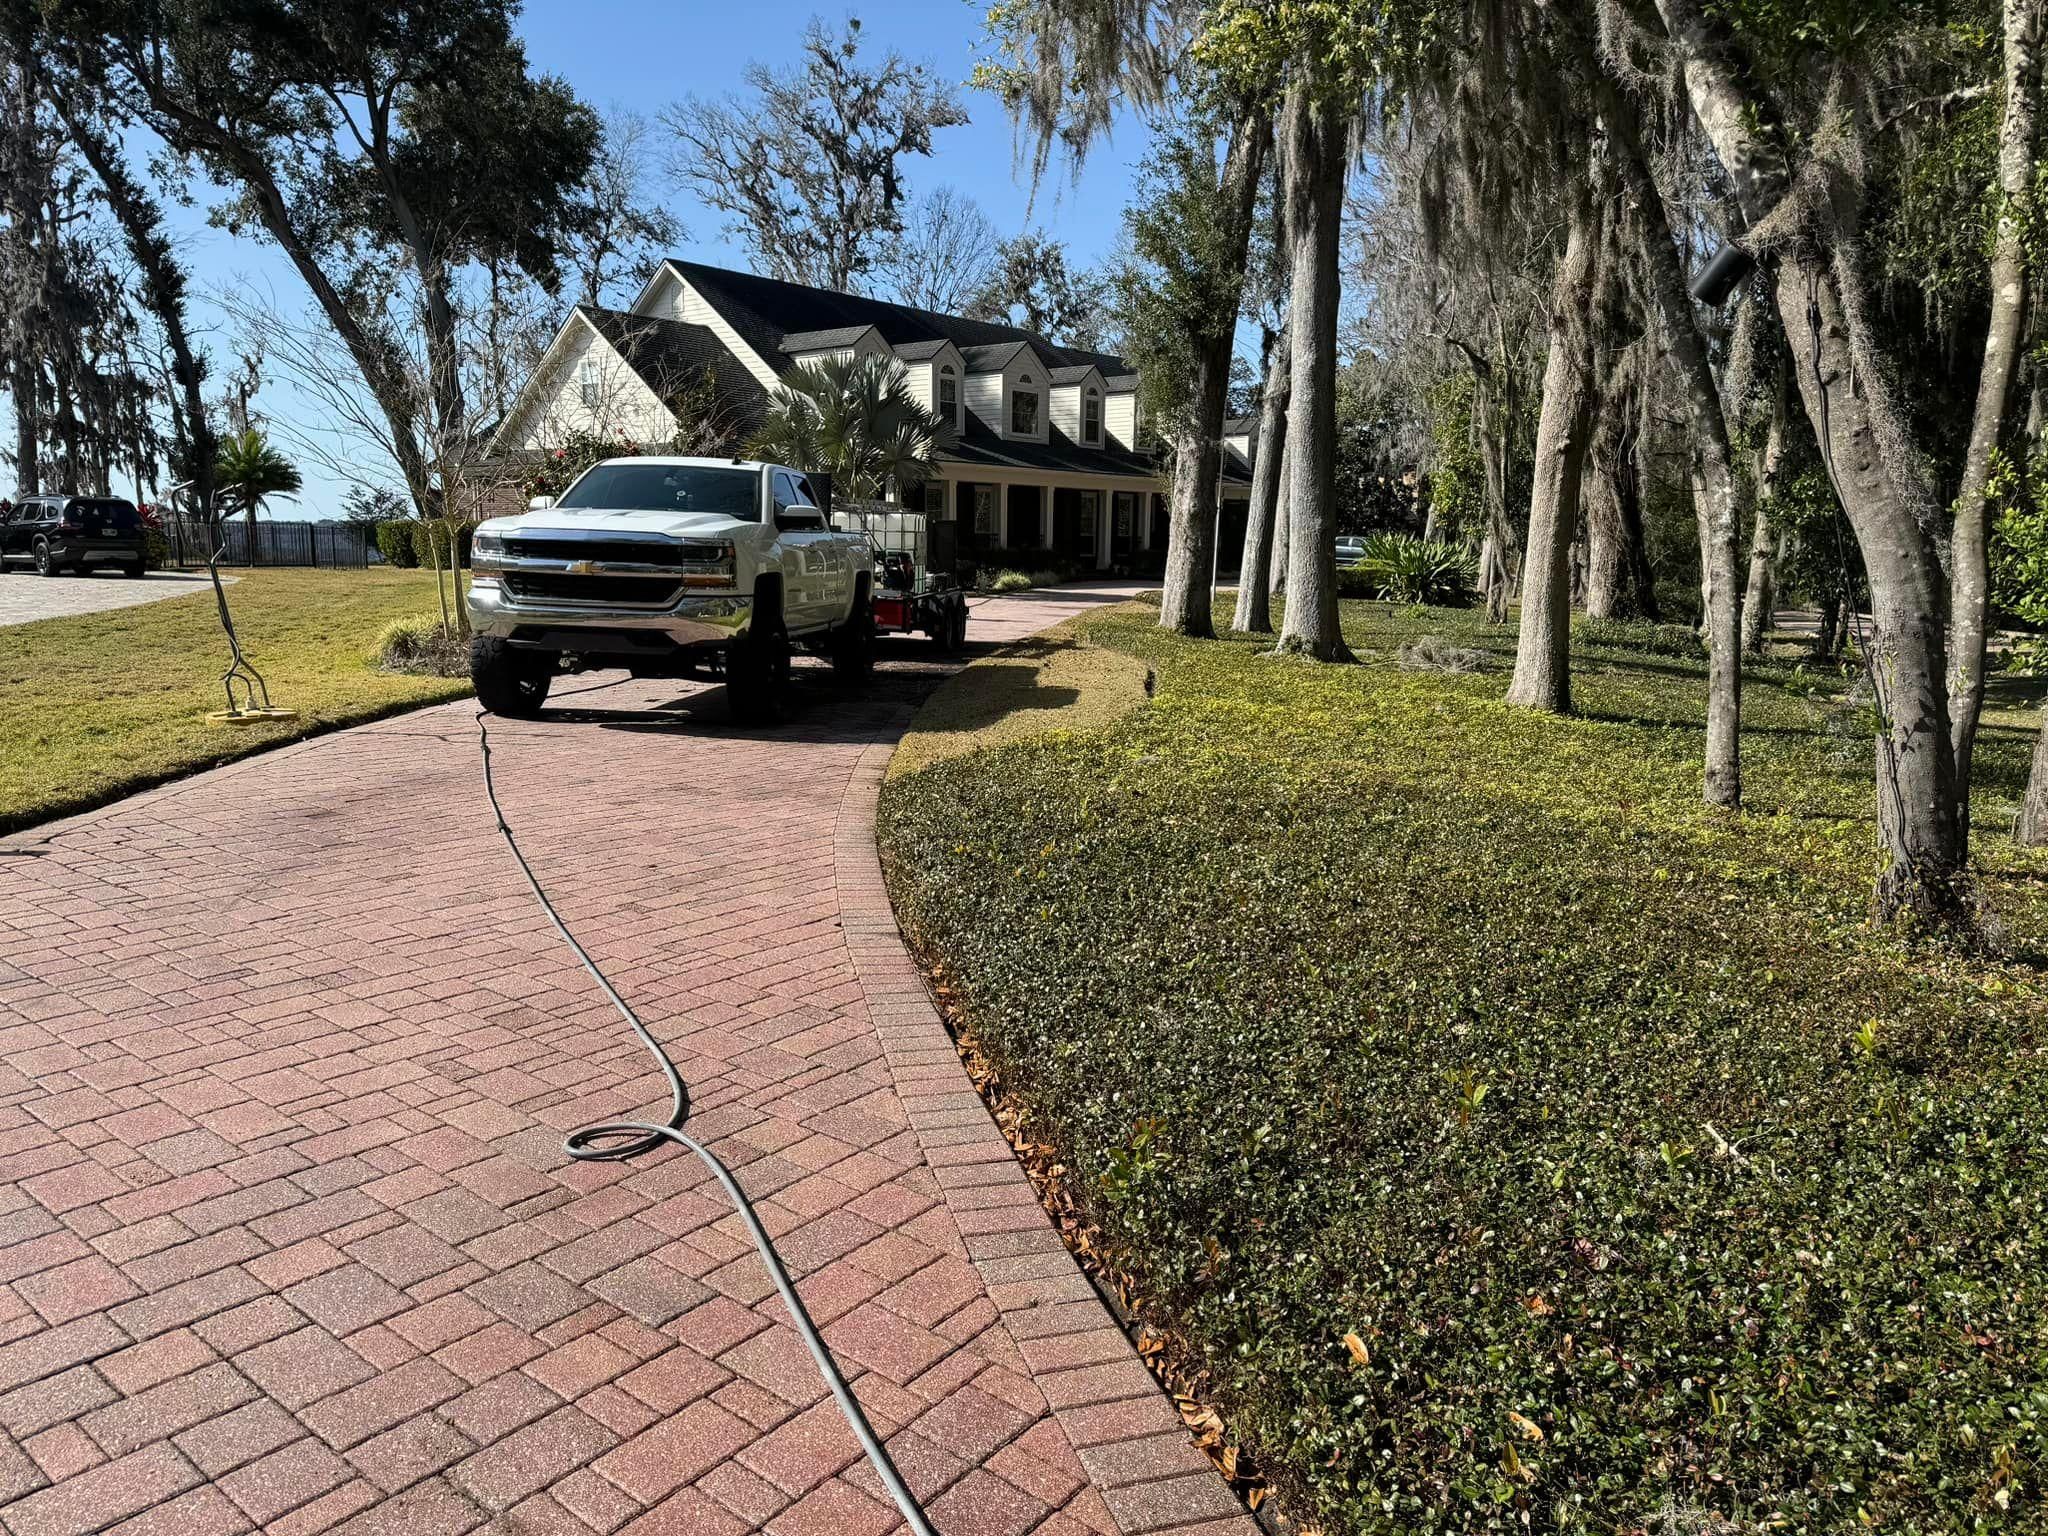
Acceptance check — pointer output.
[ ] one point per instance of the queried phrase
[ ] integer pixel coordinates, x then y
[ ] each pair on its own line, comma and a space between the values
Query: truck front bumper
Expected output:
698, 622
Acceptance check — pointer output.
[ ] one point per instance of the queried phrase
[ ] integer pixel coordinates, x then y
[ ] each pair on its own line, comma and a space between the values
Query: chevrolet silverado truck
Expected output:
670, 567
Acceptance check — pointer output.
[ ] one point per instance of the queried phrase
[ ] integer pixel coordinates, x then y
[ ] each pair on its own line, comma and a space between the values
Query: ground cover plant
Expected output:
1523, 1145
100, 705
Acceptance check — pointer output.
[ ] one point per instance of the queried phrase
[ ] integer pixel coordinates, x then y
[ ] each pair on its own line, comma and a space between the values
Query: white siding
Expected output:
618, 400
673, 298
1120, 417
1241, 441
985, 397
1066, 410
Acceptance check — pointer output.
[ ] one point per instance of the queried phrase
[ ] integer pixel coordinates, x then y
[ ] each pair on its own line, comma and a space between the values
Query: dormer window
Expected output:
1091, 419
1024, 408
949, 395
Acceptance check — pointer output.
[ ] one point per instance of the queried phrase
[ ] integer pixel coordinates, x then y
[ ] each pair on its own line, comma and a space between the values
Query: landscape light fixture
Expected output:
1731, 264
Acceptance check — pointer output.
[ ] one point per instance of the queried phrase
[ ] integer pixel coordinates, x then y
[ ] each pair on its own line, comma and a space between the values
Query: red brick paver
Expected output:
287, 1239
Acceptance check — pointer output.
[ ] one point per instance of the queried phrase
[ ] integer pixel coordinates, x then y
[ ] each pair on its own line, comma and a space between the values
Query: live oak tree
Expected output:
387, 148
1032, 282
807, 164
1066, 68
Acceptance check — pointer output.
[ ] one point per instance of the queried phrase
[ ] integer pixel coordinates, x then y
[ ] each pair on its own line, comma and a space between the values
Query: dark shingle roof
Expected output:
978, 445
670, 357
765, 311
1073, 373
919, 351
820, 341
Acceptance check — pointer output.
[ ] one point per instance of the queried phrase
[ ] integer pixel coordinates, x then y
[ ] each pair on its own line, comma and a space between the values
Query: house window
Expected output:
1091, 419
1024, 410
1126, 511
949, 396
1091, 513
985, 511
587, 381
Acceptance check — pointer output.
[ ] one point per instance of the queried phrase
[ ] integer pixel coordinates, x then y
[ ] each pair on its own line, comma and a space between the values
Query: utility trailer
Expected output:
916, 591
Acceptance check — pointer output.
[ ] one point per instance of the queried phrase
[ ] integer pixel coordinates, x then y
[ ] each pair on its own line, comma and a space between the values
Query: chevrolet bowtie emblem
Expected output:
581, 567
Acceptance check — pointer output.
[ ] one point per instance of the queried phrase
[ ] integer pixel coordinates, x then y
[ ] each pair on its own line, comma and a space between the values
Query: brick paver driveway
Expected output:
26, 597
287, 1237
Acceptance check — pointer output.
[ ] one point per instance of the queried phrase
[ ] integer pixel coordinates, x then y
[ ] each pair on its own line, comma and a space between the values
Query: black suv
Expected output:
59, 533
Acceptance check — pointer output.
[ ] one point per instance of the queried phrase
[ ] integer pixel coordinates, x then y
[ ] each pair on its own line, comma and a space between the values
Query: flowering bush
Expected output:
558, 467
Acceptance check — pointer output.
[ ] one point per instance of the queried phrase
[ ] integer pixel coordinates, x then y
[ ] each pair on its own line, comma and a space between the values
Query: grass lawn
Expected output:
98, 706
1657, 1191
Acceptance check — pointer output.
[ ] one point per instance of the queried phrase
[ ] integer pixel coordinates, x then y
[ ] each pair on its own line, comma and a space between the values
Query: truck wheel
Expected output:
757, 674
853, 644
509, 681
45, 566
953, 629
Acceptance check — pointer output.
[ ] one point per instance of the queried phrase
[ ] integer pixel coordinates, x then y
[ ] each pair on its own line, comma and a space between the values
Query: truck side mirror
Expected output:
540, 503
787, 518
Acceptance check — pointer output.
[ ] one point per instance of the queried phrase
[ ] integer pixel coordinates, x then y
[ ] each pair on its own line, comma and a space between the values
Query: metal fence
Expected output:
345, 545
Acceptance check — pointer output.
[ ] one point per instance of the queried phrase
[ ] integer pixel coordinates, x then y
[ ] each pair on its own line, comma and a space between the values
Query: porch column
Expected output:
1045, 495
1105, 526
1003, 514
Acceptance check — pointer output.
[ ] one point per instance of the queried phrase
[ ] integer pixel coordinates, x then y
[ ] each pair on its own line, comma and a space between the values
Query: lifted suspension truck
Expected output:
670, 567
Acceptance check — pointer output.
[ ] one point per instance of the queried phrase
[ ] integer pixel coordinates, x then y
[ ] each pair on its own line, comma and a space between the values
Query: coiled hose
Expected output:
615, 1141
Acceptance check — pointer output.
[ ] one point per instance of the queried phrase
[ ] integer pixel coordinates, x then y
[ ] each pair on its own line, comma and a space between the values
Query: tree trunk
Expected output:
1714, 458
1617, 563
1970, 590
1187, 600
1925, 875
1760, 601
25, 386
2032, 828
1254, 579
1316, 160
1542, 677
1282, 520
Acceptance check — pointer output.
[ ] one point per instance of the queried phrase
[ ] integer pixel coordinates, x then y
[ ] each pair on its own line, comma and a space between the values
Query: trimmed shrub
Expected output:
156, 548
395, 544
1520, 1149
1010, 581
1638, 635
430, 540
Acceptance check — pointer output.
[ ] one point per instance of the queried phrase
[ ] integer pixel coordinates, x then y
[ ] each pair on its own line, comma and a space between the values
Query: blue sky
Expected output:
643, 55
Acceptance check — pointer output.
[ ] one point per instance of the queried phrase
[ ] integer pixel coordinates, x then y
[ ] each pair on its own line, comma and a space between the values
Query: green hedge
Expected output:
1362, 1004
395, 544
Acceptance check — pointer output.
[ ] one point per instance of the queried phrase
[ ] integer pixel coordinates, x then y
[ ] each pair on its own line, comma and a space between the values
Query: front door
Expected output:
1027, 518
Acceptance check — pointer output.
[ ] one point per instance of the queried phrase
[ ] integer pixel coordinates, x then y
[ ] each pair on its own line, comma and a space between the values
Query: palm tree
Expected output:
249, 473
855, 418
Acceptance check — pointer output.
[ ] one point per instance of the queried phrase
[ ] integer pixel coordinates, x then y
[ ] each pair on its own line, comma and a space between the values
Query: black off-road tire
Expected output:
510, 681
136, 571
45, 566
758, 665
853, 643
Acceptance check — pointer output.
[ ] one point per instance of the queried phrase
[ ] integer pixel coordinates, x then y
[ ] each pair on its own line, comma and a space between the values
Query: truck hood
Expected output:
681, 525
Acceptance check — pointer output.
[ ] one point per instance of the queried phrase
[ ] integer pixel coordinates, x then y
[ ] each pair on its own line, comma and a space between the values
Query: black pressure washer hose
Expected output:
617, 1140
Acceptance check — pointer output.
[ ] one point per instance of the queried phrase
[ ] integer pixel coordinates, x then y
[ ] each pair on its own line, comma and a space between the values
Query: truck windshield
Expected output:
669, 488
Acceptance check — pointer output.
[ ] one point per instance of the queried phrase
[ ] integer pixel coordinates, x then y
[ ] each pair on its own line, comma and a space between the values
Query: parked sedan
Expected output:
1350, 549
76, 533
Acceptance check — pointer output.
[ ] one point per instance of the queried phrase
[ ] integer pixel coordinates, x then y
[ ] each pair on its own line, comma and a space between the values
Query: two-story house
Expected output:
1041, 448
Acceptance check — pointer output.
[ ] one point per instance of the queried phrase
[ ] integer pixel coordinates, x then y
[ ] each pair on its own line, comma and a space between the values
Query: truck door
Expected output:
806, 553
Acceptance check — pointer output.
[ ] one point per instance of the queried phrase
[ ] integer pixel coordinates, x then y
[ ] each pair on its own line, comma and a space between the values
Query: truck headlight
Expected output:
487, 554
710, 565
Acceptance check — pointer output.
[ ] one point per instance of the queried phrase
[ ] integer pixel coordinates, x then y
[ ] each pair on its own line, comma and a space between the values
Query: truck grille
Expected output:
610, 551
551, 586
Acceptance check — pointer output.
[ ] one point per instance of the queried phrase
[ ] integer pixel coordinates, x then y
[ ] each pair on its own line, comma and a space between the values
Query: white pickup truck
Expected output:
669, 567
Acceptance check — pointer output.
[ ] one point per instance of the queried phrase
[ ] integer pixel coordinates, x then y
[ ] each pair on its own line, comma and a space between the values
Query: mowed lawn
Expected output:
1517, 1145
98, 706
